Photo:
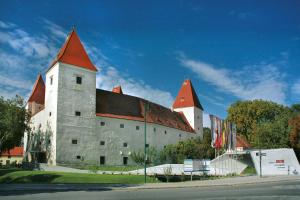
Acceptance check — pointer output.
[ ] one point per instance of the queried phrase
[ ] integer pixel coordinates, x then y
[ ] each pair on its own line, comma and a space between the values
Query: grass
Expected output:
249, 170
21, 176
113, 168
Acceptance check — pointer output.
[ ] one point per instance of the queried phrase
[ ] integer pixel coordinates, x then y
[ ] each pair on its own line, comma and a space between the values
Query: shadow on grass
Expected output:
28, 189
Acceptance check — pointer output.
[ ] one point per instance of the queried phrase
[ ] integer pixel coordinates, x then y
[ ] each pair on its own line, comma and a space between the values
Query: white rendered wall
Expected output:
75, 97
51, 105
194, 116
114, 137
276, 162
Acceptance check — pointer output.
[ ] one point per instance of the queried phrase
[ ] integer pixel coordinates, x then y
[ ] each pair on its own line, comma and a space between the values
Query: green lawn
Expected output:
113, 168
20, 176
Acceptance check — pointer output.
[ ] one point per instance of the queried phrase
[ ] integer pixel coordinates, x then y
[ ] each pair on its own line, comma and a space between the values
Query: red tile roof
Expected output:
187, 97
110, 104
73, 52
16, 151
38, 91
118, 90
241, 142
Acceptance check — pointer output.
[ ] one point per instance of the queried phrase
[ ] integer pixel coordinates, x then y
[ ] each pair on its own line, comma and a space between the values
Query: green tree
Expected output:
251, 117
13, 122
189, 149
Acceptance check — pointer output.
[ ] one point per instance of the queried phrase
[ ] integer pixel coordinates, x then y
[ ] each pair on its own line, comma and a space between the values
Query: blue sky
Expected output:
229, 49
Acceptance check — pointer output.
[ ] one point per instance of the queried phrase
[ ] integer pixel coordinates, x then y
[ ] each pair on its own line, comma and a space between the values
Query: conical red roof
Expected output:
38, 91
74, 53
118, 90
187, 97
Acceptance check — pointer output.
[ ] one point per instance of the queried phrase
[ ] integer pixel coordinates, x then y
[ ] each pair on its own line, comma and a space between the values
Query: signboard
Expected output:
276, 162
192, 165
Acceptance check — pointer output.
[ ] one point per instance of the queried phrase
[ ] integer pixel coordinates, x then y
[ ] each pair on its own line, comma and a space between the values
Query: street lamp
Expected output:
146, 107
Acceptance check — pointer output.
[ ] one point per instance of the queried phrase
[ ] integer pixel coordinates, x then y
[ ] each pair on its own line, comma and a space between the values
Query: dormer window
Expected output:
78, 80
77, 113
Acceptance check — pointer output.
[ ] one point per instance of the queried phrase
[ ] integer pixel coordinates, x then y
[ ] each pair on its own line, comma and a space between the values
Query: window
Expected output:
102, 160
77, 113
121, 125
180, 135
78, 80
102, 142
137, 128
154, 129
78, 157
165, 132
147, 145
74, 141
9, 157
165, 146
50, 114
51, 80
125, 144
102, 123
125, 160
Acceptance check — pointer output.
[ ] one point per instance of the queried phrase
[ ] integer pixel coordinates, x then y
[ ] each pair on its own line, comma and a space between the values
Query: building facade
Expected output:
95, 126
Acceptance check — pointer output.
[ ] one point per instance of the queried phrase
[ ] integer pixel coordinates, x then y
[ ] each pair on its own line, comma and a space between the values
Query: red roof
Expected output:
16, 151
187, 96
113, 105
118, 90
73, 52
241, 142
38, 91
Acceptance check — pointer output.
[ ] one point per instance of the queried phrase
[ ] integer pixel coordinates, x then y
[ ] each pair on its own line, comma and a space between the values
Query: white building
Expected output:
94, 126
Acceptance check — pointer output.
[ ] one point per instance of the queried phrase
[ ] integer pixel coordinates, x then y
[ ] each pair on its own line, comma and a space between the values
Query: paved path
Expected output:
267, 191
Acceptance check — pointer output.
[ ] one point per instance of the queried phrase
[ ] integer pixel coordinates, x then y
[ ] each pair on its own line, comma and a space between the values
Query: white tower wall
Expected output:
194, 116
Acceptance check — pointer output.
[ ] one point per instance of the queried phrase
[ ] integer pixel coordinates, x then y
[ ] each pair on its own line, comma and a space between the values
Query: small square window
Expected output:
78, 80
147, 145
74, 141
180, 135
77, 113
121, 125
102, 142
137, 128
51, 80
78, 157
102, 123
125, 144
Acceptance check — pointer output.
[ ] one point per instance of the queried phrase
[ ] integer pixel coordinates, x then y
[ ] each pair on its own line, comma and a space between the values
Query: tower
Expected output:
36, 100
70, 99
188, 103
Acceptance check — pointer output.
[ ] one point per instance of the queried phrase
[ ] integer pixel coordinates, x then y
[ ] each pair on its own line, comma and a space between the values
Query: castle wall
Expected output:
89, 146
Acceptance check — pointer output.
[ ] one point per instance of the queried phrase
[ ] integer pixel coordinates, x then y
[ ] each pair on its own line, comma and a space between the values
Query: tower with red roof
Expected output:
70, 100
188, 103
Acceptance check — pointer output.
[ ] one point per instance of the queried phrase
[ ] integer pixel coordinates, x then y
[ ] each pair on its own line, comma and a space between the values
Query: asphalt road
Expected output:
279, 190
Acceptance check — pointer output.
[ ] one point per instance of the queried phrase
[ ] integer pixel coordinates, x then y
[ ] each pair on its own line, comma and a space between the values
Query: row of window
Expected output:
102, 159
136, 127
102, 143
78, 80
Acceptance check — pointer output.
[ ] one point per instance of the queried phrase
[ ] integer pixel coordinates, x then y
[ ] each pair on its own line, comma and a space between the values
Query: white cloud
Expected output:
30, 46
55, 29
111, 77
252, 82
6, 25
296, 88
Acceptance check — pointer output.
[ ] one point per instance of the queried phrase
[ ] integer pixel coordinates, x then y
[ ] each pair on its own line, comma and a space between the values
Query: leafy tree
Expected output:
13, 122
139, 156
295, 134
252, 117
189, 149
